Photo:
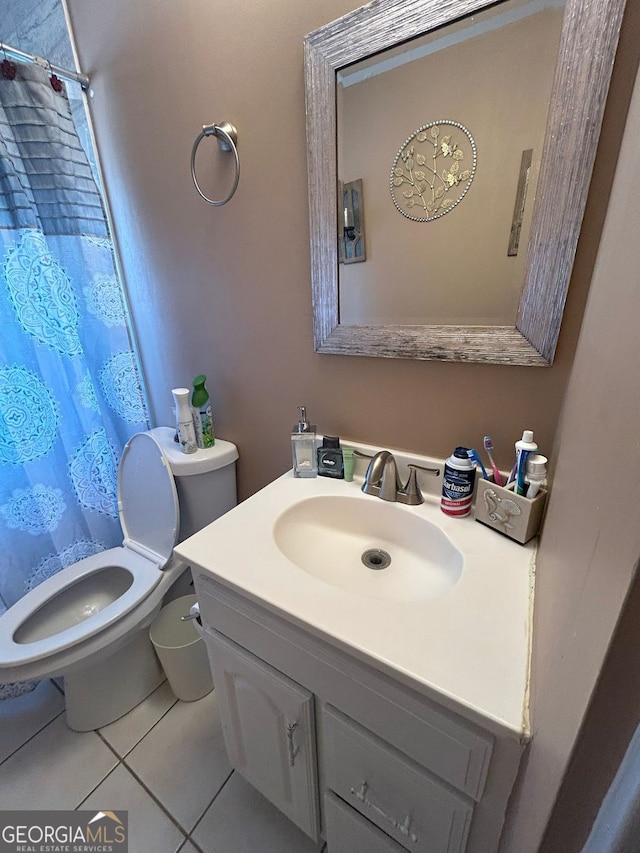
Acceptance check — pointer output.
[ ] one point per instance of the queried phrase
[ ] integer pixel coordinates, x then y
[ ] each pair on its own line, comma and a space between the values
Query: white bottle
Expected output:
184, 419
536, 473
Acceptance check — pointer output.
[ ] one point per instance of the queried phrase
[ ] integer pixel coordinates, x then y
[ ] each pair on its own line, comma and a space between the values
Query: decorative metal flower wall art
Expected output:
433, 170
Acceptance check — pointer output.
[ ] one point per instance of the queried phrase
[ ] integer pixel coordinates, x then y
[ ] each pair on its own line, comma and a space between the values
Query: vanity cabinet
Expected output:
348, 752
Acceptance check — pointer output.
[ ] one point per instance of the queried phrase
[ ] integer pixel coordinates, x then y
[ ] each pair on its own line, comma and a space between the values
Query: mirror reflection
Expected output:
442, 249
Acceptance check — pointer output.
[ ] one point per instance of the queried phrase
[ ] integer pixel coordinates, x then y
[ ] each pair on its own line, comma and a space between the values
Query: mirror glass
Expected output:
438, 247
470, 130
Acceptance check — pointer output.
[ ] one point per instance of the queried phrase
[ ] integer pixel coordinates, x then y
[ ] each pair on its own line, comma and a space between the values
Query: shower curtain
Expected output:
71, 392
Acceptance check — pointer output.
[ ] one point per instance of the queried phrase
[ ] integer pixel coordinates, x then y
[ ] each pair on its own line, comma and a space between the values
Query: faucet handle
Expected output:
434, 471
411, 494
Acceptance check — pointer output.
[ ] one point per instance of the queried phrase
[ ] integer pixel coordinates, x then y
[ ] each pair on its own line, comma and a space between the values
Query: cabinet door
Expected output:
269, 730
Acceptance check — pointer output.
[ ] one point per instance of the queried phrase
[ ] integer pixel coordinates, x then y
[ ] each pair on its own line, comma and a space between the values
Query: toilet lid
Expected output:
147, 499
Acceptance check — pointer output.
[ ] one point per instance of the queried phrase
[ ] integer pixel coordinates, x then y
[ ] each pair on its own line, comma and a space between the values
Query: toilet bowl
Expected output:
89, 622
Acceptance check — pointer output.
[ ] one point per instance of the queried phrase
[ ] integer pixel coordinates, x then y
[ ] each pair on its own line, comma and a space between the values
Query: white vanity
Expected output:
379, 710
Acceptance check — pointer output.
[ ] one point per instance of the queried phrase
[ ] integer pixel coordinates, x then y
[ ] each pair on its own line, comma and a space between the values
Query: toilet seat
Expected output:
13, 652
147, 499
149, 514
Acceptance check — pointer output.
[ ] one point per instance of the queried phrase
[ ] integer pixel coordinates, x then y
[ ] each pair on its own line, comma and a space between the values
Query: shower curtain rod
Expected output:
76, 77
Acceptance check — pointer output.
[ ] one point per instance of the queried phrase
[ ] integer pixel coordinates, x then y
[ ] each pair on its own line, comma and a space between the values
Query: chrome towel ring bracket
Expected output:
227, 137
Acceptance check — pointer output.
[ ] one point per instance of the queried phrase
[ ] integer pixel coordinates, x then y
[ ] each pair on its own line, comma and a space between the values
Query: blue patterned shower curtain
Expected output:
71, 393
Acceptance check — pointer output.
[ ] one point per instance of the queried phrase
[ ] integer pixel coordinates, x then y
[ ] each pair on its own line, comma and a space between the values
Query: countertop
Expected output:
468, 647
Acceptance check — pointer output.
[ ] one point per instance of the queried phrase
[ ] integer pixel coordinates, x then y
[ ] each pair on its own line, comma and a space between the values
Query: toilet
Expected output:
90, 621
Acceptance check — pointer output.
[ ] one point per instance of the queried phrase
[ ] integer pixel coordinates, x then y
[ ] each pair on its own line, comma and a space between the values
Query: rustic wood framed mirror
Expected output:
587, 43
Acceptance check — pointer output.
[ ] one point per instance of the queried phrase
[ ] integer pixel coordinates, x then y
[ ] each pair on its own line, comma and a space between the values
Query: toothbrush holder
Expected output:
513, 515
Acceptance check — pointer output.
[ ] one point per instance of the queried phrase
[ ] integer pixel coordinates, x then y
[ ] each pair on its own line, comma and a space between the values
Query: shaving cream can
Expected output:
457, 484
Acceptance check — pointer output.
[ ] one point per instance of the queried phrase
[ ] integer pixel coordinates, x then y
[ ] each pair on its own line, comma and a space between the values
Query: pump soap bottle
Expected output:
303, 447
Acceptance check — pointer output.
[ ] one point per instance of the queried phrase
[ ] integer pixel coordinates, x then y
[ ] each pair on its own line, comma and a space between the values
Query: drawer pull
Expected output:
293, 751
403, 828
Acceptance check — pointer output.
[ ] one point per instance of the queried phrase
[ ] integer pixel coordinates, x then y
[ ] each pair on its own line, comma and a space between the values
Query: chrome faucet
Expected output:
383, 481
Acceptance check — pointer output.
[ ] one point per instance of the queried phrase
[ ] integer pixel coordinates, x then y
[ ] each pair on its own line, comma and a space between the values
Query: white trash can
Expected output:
181, 650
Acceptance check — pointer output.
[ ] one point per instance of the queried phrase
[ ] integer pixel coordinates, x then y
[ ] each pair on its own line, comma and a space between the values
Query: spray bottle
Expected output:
202, 417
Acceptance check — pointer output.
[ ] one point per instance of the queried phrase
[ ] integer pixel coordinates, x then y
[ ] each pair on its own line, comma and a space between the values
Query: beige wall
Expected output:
604, 736
226, 291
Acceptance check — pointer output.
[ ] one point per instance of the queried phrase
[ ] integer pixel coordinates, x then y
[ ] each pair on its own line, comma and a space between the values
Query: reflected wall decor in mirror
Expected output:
488, 112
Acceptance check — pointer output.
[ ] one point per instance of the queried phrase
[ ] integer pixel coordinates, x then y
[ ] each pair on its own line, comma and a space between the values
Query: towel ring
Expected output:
227, 140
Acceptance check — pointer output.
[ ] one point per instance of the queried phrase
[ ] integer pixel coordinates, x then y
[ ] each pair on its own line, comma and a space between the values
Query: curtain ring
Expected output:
227, 137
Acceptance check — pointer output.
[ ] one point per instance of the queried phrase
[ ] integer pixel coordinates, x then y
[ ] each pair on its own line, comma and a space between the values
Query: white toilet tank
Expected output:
205, 480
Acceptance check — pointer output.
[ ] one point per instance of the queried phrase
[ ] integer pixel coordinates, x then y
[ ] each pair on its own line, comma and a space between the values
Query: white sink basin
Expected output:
328, 536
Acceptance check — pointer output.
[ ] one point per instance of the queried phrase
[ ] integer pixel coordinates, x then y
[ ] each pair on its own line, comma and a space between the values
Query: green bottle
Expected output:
202, 417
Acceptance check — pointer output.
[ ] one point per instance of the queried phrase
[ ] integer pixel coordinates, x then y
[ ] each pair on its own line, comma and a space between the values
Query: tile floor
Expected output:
164, 762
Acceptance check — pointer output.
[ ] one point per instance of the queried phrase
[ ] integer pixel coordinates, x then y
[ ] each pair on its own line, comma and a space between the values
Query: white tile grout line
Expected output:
139, 781
139, 741
164, 809
197, 823
31, 737
42, 728
121, 760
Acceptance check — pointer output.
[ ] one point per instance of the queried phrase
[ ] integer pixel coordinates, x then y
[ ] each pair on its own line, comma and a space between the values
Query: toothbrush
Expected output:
473, 455
488, 446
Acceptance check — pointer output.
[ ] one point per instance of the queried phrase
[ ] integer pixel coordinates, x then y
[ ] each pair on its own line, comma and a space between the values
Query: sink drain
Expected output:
376, 558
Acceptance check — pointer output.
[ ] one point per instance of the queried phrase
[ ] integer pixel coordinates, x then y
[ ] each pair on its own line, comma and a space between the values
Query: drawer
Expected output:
391, 790
348, 832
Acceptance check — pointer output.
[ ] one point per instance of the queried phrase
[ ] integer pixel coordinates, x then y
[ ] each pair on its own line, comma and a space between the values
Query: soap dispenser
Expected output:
303, 446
